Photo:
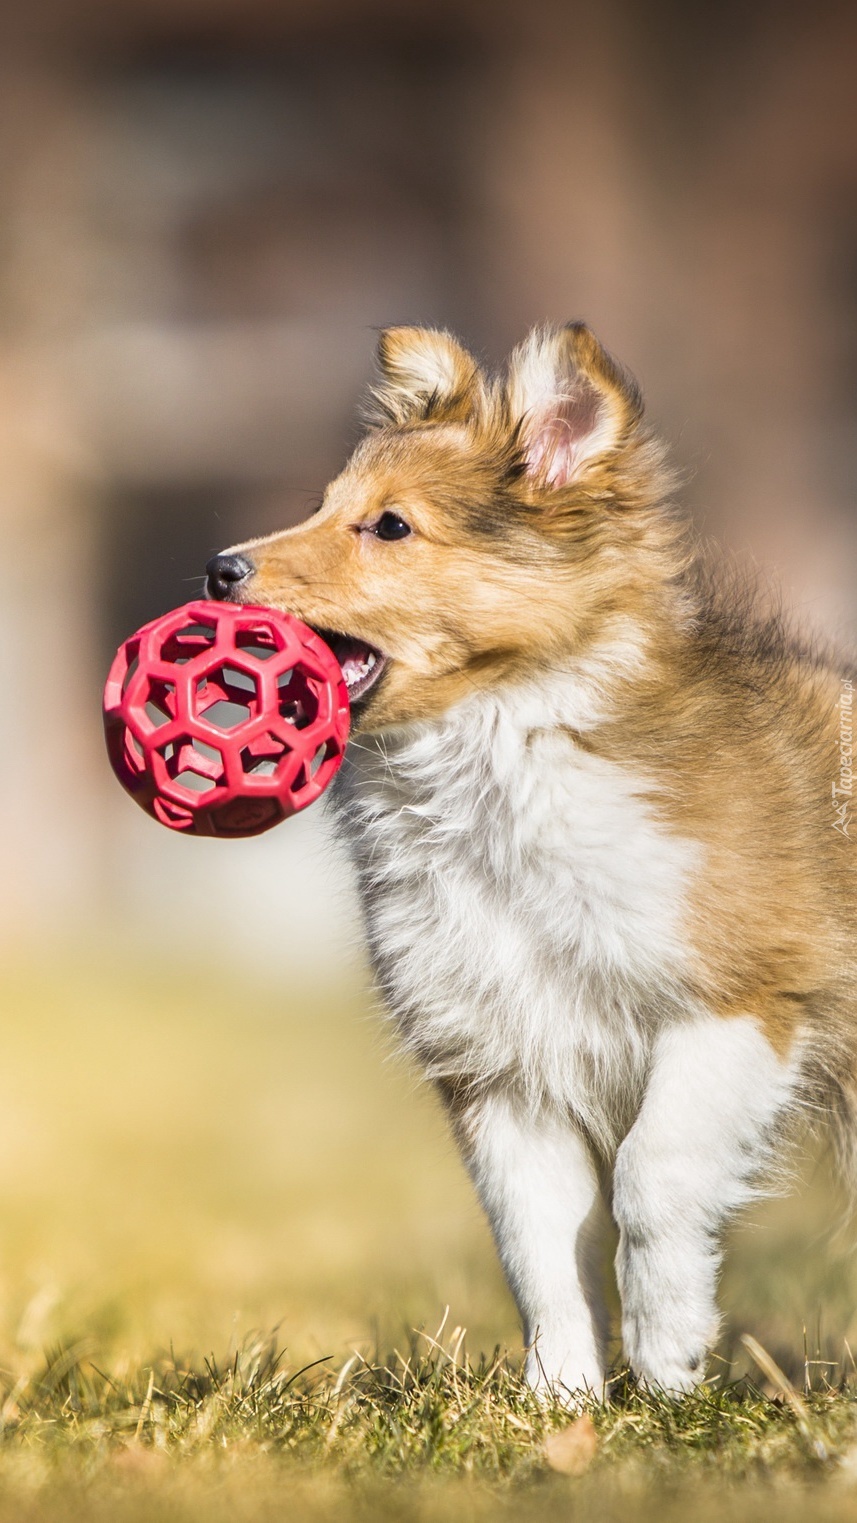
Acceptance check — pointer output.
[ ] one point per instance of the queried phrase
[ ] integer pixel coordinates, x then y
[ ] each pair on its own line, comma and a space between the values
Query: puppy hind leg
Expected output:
692, 1158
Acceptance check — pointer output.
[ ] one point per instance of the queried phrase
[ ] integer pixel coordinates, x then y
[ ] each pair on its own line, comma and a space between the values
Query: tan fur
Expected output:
527, 551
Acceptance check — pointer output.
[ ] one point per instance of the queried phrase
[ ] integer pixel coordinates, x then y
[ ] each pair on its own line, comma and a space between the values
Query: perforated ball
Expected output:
223, 720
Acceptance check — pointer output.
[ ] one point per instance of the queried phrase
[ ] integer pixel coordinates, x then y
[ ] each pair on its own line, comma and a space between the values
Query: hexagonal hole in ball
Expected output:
264, 756
160, 705
194, 765
308, 772
259, 642
189, 641
226, 715
297, 700
226, 697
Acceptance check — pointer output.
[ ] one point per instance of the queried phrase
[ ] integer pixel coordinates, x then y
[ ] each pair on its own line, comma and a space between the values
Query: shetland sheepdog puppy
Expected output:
600, 816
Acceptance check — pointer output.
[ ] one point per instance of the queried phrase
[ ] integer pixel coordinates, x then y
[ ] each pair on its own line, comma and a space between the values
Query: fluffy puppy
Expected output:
600, 819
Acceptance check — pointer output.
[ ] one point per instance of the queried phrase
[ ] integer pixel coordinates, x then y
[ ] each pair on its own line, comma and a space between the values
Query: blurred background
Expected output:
207, 208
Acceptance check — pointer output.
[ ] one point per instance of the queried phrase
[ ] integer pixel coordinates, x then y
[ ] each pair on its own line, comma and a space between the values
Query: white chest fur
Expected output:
523, 904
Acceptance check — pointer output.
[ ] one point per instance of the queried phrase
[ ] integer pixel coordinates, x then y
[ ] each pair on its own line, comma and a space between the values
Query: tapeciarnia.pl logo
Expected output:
841, 790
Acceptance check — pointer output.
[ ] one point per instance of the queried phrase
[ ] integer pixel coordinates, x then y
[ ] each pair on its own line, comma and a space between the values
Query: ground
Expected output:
237, 1260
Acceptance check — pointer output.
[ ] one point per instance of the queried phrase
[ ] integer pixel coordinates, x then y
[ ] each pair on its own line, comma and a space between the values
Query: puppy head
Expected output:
481, 529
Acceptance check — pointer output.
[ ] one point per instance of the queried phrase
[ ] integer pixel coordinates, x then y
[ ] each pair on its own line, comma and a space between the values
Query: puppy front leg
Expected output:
691, 1159
537, 1183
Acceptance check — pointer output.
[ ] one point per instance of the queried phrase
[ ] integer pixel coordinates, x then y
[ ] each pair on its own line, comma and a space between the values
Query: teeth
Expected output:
354, 671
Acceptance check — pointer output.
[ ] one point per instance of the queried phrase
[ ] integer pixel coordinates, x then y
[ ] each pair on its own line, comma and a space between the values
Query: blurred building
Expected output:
207, 209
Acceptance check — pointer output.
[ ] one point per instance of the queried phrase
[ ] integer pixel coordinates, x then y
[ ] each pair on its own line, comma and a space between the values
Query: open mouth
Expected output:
361, 663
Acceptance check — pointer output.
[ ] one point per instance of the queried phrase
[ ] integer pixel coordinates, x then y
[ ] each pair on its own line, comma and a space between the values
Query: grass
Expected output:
420, 1435
224, 1214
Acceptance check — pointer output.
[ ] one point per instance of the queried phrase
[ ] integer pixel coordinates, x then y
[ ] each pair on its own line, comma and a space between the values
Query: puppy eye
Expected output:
391, 526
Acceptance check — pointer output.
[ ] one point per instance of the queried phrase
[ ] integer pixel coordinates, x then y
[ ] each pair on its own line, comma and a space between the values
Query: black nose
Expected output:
224, 572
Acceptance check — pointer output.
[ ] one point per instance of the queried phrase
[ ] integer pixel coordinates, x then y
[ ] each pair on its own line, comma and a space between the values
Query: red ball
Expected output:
222, 720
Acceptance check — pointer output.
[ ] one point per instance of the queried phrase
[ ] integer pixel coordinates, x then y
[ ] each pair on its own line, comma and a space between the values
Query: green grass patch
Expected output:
187, 1156
423, 1433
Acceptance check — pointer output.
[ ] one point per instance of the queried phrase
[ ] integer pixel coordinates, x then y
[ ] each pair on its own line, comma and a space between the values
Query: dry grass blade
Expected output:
147, 1405
777, 1377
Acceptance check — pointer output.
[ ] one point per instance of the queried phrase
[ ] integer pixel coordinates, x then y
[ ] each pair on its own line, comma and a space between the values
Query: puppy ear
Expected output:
572, 402
425, 374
